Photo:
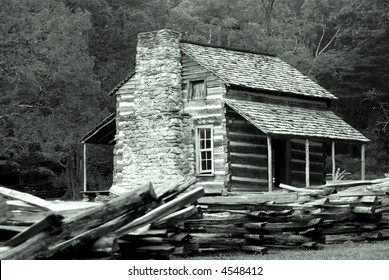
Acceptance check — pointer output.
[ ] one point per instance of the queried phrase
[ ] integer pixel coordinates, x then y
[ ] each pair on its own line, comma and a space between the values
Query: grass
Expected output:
347, 251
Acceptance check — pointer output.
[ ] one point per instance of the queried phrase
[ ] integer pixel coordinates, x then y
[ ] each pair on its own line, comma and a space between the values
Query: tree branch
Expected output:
8, 115
321, 39
329, 43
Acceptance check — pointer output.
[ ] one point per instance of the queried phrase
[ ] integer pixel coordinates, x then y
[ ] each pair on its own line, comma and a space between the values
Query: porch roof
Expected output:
103, 133
294, 120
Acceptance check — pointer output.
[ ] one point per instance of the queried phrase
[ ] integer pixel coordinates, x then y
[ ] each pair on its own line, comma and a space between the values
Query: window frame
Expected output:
190, 88
199, 171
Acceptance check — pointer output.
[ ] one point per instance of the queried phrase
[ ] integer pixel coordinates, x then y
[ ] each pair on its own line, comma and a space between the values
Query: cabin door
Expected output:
281, 161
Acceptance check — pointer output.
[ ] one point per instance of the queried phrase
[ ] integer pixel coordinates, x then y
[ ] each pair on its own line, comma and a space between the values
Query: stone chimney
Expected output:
149, 144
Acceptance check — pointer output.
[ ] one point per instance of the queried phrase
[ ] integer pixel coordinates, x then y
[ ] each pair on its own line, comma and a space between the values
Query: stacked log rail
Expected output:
150, 222
293, 218
100, 230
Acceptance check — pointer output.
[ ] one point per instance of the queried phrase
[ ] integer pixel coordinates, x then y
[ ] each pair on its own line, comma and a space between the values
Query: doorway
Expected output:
281, 162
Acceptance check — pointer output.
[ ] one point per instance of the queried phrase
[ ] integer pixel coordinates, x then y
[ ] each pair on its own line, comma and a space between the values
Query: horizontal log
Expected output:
319, 202
337, 200
214, 235
224, 216
237, 180
203, 111
136, 242
337, 209
245, 187
299, 165
212, 188
248, 171
270, 213
313, 157
202, 103
28, 198
247, 138
315, 178
27, 217
226, 241
374, 226
253, 199
382, 209
340, 229
201, 75
355, 183
244, 128
217, 228
149, 233
20, 205
165, 249
248, 159
191, 67
306, 190
225, 221
285, 239
363, 209
219, 249
257, 227
340, 194
339, 217
340, 238
369, 200
241, 147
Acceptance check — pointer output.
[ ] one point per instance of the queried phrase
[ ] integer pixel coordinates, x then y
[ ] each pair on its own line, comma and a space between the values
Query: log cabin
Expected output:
239, 121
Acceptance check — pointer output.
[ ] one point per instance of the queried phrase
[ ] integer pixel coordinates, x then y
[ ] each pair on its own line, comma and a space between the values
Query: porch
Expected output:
269, 144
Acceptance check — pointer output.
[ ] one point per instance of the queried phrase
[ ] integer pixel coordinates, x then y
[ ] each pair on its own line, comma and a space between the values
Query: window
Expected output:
197, 89
204, 150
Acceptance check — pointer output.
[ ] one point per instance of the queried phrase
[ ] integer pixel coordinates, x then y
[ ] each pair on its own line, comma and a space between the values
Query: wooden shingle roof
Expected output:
253, 70
291, 120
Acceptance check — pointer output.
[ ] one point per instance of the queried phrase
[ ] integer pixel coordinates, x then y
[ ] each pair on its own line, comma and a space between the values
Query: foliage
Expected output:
51, 95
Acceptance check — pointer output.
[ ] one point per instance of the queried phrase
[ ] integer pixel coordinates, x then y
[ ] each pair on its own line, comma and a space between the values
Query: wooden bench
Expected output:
91, 195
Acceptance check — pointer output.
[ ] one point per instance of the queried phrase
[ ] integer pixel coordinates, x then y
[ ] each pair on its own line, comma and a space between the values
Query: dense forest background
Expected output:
60, 58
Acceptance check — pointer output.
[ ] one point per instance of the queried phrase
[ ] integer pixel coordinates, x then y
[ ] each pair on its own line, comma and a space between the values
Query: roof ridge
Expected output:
227, 48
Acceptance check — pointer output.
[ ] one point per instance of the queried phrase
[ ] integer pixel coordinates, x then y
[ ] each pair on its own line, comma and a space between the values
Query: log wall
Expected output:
247, 155
124, 108
316, 165
203, 112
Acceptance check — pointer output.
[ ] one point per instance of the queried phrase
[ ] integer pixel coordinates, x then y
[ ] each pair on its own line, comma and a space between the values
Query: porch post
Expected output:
363, 161
84, 166
269, 165
306, 163
333, 159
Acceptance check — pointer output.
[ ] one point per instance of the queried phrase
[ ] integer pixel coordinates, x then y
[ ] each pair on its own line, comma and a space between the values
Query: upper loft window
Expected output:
197, 90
